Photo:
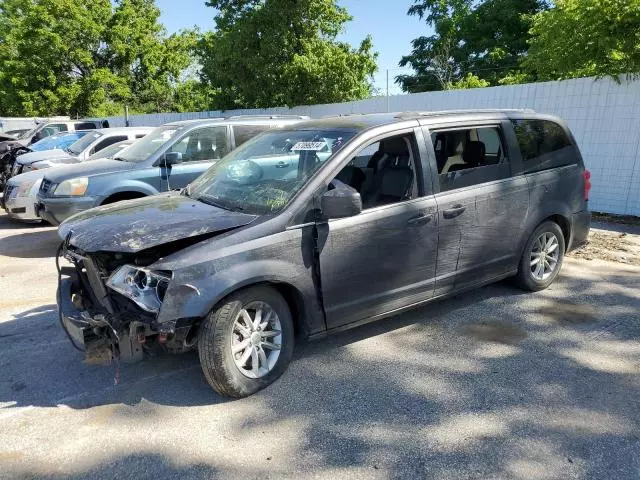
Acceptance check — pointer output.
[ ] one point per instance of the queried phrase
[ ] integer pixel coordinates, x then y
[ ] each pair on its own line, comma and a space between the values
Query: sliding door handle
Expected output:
454, 212
421, 219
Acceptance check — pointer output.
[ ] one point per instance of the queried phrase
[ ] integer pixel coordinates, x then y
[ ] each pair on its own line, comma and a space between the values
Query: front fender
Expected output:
195, 291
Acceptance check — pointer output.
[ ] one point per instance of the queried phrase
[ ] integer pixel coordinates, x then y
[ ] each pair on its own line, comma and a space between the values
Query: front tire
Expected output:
246, 342
542, 258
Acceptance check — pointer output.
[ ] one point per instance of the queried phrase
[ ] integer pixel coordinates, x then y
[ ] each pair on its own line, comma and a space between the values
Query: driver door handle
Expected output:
282, 164
454, 212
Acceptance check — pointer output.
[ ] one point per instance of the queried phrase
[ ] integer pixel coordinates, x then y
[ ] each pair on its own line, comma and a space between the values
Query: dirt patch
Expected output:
567, 312
491, 331
611, 246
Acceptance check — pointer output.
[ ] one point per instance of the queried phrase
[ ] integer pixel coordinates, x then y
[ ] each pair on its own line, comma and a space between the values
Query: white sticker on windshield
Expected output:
309, 146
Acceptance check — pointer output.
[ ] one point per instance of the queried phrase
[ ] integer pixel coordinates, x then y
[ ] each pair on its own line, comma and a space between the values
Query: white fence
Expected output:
603, 115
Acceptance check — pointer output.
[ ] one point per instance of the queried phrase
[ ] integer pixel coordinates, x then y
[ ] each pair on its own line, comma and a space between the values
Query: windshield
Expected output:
110, 151
81, 145
264, 174
148, 145
60, 141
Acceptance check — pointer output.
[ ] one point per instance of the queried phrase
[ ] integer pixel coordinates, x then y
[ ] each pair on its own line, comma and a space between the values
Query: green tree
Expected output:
486, 39
581, 38
267, 53
88, 57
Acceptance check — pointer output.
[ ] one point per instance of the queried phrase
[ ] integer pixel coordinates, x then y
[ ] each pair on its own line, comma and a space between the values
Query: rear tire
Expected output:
238, 342
542, 258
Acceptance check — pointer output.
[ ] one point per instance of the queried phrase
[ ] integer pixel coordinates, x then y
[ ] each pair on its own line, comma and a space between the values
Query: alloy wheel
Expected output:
256, 339
544, 257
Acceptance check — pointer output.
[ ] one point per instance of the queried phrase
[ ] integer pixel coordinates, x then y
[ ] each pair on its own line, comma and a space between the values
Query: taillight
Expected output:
587, 183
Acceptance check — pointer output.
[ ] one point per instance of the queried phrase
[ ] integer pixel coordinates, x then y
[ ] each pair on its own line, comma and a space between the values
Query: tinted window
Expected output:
208, 143
242, 133
470, 156
109, 141
85, 126
541, 145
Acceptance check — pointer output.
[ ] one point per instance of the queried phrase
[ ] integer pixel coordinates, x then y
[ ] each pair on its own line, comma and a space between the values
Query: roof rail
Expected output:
459, 112
268, 117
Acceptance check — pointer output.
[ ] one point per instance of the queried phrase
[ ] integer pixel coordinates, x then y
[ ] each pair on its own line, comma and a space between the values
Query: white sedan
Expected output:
20, 196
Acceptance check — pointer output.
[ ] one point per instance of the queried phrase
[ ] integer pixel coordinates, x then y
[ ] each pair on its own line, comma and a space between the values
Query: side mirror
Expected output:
340, 202
38, 136
172, 158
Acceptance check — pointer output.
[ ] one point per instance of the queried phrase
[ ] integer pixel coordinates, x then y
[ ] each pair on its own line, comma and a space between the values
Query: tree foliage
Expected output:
88, 57
581, 38
266, 53
486, 39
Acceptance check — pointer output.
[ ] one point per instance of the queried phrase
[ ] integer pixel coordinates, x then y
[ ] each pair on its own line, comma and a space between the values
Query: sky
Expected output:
385, 20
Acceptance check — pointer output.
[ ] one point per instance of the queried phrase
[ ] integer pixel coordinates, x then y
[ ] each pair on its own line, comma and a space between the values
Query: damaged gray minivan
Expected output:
318, 227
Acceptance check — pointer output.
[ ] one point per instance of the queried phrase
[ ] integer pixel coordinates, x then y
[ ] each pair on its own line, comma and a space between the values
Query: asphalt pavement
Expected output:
495, 383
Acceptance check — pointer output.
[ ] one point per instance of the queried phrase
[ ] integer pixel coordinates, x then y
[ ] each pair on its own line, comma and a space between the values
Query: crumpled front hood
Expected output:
32, 157
135, 225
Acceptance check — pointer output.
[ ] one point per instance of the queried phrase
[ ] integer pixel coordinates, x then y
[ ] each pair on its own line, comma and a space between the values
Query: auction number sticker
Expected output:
309, 146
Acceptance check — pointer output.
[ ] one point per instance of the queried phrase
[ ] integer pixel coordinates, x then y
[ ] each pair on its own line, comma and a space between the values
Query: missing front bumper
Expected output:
100, 343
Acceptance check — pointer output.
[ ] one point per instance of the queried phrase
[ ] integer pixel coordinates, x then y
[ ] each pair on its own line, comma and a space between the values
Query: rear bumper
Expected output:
580, 226
57, 210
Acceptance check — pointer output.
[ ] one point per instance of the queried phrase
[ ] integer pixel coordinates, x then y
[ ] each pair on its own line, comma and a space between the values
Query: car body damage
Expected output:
194, 248
316, 228
141, 224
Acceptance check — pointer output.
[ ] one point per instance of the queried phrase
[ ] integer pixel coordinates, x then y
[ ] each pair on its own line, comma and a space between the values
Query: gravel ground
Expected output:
495, 383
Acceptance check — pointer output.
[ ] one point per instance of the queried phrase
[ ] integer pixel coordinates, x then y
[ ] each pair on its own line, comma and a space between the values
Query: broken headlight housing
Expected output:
144, 287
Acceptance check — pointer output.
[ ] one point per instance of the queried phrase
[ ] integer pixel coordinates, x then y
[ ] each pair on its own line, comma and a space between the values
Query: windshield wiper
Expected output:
213, 203
119, 159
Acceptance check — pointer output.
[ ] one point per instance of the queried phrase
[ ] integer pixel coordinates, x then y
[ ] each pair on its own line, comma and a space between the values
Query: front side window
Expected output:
263, 175
204, 144
542, 145
469, 156
384, 172
81, 145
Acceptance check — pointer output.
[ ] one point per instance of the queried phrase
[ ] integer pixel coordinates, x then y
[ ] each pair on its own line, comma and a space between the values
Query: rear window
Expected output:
85, 126
543, 145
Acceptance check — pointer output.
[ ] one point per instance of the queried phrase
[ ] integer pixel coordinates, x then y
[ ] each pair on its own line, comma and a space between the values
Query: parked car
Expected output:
405, 209
21, 193
167, 159
14, 150
79, 151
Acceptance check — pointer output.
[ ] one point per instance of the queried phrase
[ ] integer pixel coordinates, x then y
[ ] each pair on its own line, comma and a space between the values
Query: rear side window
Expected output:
244, 133
542, 145
470, 156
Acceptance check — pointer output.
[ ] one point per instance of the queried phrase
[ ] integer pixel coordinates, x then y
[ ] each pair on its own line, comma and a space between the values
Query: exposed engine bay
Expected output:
108, 305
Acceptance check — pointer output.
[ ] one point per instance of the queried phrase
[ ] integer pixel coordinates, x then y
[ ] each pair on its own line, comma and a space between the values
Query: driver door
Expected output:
383, 259
200, 148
